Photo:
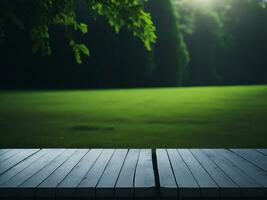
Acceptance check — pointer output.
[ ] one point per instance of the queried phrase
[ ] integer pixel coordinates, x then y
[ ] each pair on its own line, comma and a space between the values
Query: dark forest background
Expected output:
223, 42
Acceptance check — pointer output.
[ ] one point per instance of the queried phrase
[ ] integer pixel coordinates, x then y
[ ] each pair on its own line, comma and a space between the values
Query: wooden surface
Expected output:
216, 173
129, 173
73, 173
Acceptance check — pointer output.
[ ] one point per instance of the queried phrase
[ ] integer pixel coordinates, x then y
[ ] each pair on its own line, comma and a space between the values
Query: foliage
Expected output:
39, 16
226, 40
201, 27
245, 31
77, 49
171, 54
199, 43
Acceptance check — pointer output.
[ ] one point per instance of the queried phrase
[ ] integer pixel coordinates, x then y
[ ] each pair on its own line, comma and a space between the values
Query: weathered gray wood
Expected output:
183, 173
45, 172
253, 171
168, 186
263, 151
208, 187
249, 188
32, 169
187, 185
227, 187
144, 183
12, 184
27, 189
21, 166
14, 160
253, 156
48, 187
124, 186
3, 151
106, 184
8, 154
67, 188
88, 185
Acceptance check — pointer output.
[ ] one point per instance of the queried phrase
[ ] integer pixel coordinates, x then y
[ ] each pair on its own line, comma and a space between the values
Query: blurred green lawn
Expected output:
168, 117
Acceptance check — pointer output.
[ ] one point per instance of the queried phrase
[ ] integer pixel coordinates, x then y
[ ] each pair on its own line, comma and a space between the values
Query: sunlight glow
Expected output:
203, 1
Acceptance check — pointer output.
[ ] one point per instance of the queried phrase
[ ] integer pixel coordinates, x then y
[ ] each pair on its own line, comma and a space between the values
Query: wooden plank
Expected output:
252, 156
187, 185
227, 187
54, 173
168, 186
207, 185
67, 188
21, 166
251, 170
249, 188
27, 189
88, 185
144, 183
14, 160
263, 151
47, 188
106, 184
32, 169
7, 190
3, 151
8, 154
124, 186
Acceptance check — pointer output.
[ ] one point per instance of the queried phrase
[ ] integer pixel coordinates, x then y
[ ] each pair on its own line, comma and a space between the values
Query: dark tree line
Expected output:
226, 40
218, 44
116, 60
245, 49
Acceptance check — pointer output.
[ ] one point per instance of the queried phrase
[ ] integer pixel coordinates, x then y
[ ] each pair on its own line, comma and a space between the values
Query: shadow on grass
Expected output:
91, 128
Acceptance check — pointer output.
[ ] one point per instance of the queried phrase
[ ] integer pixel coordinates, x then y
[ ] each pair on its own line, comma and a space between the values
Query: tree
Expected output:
202, 30
39, 16
243, 60
226, 40
170, 52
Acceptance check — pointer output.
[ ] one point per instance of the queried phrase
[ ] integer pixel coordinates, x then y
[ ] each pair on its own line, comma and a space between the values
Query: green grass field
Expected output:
169, 117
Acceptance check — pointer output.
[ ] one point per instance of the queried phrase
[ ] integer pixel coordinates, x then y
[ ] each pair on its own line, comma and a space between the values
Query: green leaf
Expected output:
78, 49
83, 27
